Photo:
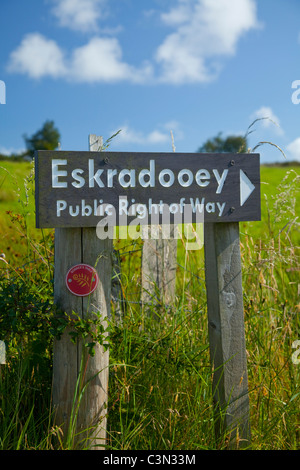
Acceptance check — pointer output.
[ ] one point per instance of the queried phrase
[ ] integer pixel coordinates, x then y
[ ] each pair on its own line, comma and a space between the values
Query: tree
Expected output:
231, 144
46, 138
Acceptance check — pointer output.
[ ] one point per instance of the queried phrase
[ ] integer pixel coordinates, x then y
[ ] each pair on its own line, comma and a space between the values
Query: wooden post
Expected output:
226, 331
159, 262
74, 246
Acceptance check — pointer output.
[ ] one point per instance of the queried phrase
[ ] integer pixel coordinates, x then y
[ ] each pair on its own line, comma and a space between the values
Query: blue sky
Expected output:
149, 67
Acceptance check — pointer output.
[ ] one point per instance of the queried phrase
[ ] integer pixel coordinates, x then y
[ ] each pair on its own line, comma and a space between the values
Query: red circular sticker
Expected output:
82, 280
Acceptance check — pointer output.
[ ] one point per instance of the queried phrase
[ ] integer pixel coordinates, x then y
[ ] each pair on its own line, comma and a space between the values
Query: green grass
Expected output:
160, 374
18, 235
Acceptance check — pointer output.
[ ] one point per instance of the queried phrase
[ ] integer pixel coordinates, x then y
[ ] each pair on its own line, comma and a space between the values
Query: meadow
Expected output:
160, 373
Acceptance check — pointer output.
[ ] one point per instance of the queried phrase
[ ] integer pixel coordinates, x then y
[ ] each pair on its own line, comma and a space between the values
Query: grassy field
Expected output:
160, 379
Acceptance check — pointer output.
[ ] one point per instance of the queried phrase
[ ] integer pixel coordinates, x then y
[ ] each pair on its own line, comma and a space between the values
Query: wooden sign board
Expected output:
78, 189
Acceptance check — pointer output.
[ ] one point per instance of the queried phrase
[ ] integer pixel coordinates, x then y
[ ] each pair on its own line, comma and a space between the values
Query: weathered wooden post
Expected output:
159, 264
71, 363
226, 331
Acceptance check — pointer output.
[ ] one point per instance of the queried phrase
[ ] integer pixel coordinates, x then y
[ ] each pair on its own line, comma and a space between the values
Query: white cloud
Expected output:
132, 136
294, 149
37, 57
161, 135
79, 15
206, 30
11, 150
178, 15
157, 137
99, 60
268, 119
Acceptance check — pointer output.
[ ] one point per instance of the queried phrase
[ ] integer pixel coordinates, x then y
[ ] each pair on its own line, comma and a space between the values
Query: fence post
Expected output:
159, 263
226, 331
74, 246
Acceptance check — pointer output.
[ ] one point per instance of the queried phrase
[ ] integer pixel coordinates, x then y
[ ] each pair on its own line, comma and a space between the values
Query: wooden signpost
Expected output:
77, 191
81, 414
223, 276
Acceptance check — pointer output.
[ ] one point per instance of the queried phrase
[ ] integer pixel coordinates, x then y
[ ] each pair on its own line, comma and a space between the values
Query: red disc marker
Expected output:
82, 280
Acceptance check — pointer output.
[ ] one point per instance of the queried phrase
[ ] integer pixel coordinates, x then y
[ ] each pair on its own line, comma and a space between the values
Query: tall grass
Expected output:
160, 372
271, 293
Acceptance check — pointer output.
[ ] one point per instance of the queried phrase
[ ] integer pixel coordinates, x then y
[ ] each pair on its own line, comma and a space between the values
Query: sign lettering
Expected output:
78, 189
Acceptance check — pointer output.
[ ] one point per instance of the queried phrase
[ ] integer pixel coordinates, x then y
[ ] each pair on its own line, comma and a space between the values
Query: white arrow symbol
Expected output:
246, 187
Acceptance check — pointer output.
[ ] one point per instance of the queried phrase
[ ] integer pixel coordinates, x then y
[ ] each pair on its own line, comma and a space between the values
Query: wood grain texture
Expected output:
65, 354
226, 330
159, 263
93, 410
71, 363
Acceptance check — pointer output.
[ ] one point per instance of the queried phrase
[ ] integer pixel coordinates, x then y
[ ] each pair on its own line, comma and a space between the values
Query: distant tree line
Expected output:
235, 144
230, 144
46, 138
